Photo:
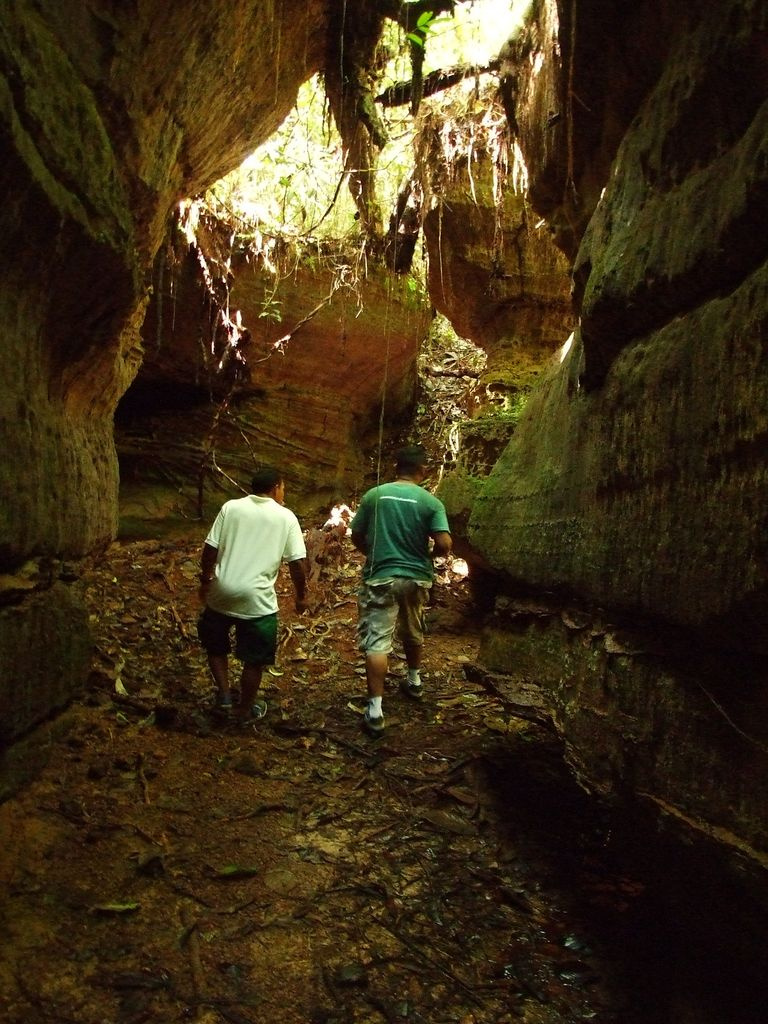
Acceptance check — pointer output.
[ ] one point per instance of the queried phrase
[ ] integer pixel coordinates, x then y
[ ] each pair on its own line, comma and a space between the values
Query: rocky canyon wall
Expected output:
494, 272
636, 483
324, 357
109, 114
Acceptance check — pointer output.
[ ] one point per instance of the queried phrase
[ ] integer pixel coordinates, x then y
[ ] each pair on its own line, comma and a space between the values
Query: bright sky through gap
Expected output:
292, 179
477, 31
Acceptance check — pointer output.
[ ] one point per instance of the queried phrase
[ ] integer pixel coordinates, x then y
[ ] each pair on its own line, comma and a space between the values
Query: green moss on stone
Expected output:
458, 491
59, 133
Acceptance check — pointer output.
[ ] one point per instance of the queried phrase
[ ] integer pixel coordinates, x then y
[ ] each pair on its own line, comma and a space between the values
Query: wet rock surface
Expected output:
165, 865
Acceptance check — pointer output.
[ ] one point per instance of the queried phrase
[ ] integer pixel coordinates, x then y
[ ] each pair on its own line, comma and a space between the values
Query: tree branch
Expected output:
400, 94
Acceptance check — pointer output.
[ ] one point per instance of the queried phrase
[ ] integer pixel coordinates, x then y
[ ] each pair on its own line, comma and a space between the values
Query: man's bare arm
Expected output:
207, 569
443, 543
208, 561
298, 571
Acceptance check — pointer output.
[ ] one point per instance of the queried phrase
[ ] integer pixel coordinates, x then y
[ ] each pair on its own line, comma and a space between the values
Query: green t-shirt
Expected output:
397, 521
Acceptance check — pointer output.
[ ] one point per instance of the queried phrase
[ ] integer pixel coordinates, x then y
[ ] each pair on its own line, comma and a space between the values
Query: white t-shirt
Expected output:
253, 535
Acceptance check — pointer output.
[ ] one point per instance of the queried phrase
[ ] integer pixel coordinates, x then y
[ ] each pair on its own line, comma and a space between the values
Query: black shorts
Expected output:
255, 639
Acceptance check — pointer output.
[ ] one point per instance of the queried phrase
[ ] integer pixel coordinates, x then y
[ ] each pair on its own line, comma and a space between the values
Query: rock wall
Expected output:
636, 482
328, 346
494, 270
109, 114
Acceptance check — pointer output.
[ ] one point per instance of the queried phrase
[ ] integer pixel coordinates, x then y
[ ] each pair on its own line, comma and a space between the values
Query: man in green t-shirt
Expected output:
393, 527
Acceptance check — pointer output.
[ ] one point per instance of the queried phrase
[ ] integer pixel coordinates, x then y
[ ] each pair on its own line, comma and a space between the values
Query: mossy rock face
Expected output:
639, 495
458, 491
106, 120
483, 440
633, 474
45, 653
60, 133
632, 722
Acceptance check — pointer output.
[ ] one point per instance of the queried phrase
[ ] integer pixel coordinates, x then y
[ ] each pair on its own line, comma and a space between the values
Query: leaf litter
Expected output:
165, 866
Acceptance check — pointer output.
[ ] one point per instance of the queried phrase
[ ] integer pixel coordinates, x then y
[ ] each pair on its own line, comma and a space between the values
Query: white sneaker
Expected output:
414, 690
374, 726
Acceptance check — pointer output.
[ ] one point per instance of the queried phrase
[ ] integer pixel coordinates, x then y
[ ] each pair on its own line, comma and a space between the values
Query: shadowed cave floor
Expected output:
165, 866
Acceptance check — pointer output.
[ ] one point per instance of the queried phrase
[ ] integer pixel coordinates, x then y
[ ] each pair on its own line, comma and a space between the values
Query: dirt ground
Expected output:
166, 866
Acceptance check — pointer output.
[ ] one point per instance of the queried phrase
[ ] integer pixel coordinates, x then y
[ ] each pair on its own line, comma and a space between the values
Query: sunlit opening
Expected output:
566, 347
339, 516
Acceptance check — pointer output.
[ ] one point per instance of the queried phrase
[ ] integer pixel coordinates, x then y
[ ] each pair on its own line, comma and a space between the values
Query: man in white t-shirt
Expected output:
241, 558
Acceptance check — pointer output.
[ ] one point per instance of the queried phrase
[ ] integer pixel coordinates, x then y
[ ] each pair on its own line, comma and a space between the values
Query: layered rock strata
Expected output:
108, 116
323, 361
635, 482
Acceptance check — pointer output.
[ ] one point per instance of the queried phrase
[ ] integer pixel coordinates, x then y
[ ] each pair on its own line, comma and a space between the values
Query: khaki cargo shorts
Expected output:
388, 605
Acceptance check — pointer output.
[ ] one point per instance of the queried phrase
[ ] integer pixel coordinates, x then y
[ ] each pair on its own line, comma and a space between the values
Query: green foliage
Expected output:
294, 185
270, 310
425, 25
288, 185
236, 871
516, 405
471, 35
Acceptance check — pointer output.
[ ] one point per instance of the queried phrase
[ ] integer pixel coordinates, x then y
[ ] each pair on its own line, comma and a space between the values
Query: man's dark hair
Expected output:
264, 479
413, 456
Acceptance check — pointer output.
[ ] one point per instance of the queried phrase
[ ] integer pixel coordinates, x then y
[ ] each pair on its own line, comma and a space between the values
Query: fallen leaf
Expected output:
464, 796
235, 871
115, 908
449, 823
